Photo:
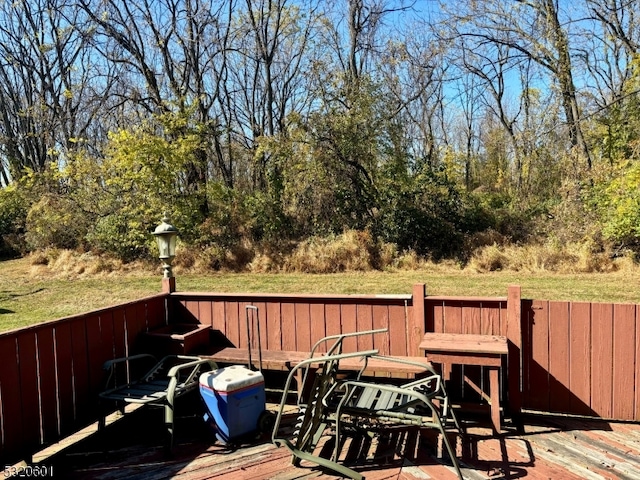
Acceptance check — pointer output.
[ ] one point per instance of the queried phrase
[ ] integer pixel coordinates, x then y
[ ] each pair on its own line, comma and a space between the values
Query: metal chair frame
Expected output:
332, 401
172, 377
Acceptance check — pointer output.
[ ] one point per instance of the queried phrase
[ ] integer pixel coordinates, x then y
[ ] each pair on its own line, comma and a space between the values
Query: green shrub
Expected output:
122, 235
422, 213
55, 221
618, 202
13, 216
228, 221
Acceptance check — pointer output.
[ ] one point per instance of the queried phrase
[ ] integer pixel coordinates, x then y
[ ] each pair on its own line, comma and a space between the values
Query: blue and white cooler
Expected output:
235, 400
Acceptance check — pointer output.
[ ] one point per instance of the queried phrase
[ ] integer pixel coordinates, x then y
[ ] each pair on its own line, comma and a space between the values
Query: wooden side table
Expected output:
466, 349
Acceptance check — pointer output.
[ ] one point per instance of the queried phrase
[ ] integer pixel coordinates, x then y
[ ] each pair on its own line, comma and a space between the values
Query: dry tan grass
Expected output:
549, 257
51, 285
349, 252
70, 264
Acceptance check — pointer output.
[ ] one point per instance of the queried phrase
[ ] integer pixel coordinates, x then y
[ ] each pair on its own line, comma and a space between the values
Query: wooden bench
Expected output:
286, 360
466, 349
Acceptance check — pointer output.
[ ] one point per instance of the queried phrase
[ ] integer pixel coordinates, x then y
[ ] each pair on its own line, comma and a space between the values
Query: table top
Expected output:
464, 343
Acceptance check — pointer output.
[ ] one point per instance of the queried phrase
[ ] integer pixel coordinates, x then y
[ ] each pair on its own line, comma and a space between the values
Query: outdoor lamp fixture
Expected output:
166, 235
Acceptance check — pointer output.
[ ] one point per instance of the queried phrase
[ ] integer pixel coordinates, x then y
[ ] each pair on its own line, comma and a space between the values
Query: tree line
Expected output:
265, 122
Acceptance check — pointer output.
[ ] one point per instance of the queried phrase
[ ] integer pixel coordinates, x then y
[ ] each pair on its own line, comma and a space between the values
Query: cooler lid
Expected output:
230, 379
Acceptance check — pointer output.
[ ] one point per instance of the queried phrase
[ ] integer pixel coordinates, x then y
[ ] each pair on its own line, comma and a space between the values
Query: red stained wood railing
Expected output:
296, 322
565, 357
51, 373
582, 358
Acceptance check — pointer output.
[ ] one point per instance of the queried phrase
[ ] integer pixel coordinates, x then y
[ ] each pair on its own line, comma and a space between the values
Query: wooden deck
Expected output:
546, 447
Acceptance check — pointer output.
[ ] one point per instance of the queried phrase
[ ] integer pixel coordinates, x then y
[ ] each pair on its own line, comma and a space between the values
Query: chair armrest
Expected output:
111, 363
336, 347
175, 370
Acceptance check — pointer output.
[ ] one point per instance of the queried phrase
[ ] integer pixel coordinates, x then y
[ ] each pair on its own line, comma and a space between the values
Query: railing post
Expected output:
168, 284
168, 287
514, 336
417, 319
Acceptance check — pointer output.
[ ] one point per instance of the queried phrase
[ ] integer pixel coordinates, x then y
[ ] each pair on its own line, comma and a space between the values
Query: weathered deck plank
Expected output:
548, 447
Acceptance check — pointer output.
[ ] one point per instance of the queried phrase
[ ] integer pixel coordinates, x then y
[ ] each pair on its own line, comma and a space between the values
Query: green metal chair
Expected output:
169, 379
347, 405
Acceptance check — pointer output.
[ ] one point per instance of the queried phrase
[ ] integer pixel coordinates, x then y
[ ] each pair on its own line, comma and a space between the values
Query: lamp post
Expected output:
166, 236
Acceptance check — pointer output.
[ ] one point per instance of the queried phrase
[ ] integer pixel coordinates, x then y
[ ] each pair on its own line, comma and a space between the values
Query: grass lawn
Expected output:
31, 295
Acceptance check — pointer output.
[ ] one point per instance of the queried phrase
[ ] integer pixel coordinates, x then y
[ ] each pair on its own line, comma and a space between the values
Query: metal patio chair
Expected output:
169, 379
350, 405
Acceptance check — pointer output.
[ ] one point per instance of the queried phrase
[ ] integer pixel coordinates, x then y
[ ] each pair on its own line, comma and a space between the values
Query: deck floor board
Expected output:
547, 447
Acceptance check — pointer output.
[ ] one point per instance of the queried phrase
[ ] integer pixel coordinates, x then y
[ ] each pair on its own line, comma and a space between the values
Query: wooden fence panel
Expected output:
317, 319
189, 313
637, 362
47, 388
138, 319
579, 358
452, 317
154, 313
490, 320
296, 322
438, 315
471, 318
28, 386
261, 318
303, 327
205, 313
81, 371
380, 318
13, 437
333, 319
273, 319
232, 319
98, 352
63, 348
624, 346
482, 316
120, 333
559, 398
348, 322
364, 322
246, 336
537, 353
219, 317
247, 331
602, 359
51, 373
398, 330
289, 333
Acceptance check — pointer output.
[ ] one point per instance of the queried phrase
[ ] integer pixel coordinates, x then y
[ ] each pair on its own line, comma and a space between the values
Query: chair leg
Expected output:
102, 415
169, 424
452, 453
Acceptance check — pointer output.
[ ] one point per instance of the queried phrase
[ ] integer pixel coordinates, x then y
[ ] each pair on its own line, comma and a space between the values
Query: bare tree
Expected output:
172, 54
530, 30
413, 70
611, 40
266, 83
621, 20
46, 84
